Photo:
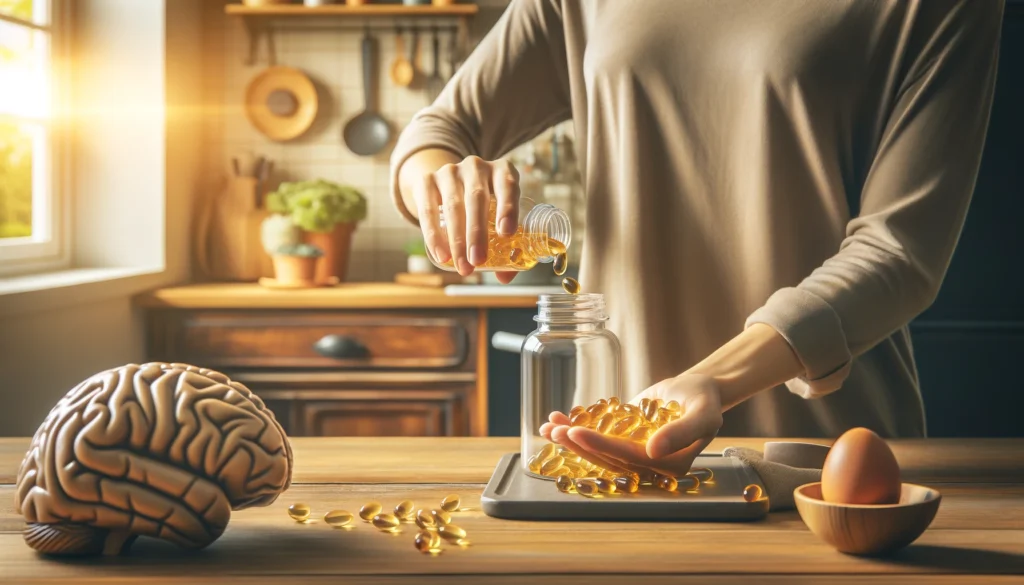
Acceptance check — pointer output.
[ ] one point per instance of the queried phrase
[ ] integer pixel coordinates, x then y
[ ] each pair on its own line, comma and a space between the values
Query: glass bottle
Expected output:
571, 359
544, 232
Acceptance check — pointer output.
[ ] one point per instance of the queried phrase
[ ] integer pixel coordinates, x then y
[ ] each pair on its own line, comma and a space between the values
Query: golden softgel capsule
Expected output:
641, 433
625, 425
338, 518
385, 521
704, 474
440, 517
605, 485
560, 264
551, 465
752, 493
427, 542
564, 484
546, 452
576, 410
687, 483
424, 520
587, 487
451, 503
403, 510
666, 482
580, 419
570, 285
368, 511
298, 512
451, 533
604, 424
627, 484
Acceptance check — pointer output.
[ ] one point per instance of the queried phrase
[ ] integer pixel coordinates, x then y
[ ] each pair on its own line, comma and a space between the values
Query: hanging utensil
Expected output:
414, 58
367, 133
402, 71
435, 83
453, 64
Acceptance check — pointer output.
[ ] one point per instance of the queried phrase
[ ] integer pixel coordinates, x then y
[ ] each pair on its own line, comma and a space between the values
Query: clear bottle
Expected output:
571, 359
544, 232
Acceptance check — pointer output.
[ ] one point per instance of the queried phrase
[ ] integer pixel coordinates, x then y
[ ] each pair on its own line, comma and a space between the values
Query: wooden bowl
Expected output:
865, 529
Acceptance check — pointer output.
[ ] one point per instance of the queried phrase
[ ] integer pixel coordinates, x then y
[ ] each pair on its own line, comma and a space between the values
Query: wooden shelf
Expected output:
345, 10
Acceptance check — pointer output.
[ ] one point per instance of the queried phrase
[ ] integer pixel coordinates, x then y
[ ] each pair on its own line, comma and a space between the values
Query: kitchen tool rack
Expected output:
263, 21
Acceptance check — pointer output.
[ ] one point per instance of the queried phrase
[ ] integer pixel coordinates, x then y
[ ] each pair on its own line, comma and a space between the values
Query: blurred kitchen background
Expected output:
140, 139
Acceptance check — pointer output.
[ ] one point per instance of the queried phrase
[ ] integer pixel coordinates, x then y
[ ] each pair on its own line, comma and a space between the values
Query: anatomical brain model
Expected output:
161, 450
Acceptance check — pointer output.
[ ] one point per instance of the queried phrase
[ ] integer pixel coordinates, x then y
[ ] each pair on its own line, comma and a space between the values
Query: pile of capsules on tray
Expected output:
435, 524
635, 422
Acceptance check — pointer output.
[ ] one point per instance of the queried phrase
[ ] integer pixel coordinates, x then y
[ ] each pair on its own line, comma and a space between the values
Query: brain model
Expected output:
161, 450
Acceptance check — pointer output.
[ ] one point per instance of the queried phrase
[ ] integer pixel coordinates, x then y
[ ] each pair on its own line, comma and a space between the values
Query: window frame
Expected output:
49, 252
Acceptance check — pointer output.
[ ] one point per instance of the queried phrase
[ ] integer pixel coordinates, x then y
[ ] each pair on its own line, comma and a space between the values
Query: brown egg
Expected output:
860, 469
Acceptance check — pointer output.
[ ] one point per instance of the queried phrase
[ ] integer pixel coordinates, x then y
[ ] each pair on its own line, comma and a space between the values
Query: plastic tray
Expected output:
512, 494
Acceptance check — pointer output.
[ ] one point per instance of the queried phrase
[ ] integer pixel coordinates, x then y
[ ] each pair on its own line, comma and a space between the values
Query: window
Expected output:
30, 198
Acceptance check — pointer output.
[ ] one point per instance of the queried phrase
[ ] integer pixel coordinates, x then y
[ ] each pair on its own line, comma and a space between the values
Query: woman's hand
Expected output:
670, 450
463, 192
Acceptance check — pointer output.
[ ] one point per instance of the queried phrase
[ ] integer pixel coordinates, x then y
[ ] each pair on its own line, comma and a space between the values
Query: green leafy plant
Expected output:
416, 247
318, 205
303, 250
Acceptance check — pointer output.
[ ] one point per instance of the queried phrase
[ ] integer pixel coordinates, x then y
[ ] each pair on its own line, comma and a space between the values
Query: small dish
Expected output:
864, 529
281, 102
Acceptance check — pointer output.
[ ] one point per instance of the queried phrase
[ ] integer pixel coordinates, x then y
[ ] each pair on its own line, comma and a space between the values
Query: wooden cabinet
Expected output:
342, 372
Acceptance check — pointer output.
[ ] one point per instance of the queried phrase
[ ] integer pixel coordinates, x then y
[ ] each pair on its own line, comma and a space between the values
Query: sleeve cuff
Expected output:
813, 329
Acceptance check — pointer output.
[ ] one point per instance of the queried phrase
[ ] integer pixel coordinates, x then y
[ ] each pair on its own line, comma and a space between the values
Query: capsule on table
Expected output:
551, 465
704, 474
627, 484
534, 464
605, 485
338, 518
580, 419
564, 484
424, 520
385, 521
298, 512
403, 510
587, 487
368, 511
440, 517
451, 503
451, 533
687, 483
666, 482
427, 542
752, 493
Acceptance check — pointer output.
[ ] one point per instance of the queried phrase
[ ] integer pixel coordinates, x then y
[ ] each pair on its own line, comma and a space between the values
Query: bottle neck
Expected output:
571, 312
549, 230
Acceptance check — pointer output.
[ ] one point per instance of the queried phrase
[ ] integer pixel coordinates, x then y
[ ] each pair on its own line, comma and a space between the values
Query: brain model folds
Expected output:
161, 450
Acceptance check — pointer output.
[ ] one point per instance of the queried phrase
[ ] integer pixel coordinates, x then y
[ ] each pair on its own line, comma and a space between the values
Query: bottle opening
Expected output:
547, 222
568, 309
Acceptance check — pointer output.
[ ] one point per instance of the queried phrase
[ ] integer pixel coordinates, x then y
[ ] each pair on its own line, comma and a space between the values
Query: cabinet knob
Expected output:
340, 347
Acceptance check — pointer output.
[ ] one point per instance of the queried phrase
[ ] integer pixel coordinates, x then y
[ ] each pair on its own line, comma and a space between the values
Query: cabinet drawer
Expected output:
363, 340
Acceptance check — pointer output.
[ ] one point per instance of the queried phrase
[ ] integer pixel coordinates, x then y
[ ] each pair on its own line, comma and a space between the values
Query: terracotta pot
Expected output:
336, 245
295, 269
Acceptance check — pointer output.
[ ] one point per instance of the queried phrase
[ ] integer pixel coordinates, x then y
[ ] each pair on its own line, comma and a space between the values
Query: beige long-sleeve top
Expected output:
807, 164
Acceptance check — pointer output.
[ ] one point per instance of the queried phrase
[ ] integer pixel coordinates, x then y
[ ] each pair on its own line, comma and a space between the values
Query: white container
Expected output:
419, 265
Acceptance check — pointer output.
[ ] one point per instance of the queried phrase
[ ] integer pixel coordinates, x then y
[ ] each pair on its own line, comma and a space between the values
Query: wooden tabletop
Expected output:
370, 295
977, 536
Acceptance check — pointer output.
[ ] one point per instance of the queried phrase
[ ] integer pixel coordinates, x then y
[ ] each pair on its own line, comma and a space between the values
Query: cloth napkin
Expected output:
783, 469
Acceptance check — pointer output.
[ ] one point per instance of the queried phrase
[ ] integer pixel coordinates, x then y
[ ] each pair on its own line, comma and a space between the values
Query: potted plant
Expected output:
327, 213
296, 264
417, 261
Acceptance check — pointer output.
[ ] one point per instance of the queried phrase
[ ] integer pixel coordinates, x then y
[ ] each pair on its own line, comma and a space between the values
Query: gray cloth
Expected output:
778, 478
807, 165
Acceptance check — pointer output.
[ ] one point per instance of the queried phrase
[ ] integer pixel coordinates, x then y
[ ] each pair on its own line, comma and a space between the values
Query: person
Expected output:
774, 190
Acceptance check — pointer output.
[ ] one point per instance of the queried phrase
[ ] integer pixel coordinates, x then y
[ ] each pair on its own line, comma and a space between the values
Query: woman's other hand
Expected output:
671, 449
462, 190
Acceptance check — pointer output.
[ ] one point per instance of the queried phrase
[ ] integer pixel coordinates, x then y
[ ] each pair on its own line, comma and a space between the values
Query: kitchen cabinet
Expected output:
356, 360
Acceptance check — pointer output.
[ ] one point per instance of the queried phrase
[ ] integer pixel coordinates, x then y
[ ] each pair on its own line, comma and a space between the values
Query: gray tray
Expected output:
512, 494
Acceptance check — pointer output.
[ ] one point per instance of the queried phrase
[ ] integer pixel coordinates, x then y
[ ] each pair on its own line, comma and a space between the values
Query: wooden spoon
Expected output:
402, 72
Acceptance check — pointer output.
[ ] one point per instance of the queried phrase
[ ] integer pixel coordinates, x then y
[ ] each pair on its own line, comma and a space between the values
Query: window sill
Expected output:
77, 286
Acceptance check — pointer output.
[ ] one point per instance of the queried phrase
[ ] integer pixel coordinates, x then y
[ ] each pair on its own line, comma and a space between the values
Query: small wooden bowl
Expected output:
864, 529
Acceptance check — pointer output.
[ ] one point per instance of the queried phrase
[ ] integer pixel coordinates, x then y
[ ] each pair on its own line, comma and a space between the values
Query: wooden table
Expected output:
977, 536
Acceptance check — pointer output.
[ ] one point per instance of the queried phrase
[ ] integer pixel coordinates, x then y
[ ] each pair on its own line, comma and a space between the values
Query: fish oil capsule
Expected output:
595, 473
627, 484
427, 542
299, 512
338, 518
581, 419
625, 425
641, 433
587, 487
368, 511
515, 255
570, 285
560, 264
576, 410
752, 493
424, 520
451, 503
631, 409
385, 521
440, 517
546, 452
597, 410
651, 412
672, 406
704, 474
452, 533
604, 424
534, 464
563, 470
644, 403
666, 482
403, 510
564, 484
551, 465
687, 483
605, 485
613, 401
